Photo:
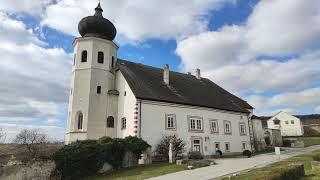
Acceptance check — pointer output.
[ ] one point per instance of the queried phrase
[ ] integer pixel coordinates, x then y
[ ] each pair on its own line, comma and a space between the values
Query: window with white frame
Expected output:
195, 123
214, 126
242, 127
196, 145
227, 147
171, 121
227, 127
123, 123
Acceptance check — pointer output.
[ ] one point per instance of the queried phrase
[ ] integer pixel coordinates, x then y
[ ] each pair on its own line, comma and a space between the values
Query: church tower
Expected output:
93, 76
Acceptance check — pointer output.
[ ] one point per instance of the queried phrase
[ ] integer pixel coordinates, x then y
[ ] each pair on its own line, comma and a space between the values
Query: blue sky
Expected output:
266, 52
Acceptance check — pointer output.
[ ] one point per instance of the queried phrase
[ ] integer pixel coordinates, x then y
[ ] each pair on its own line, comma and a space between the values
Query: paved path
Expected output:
233, 165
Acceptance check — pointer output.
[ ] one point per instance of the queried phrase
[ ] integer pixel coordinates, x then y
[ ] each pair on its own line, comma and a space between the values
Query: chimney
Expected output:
166, 74
198, 76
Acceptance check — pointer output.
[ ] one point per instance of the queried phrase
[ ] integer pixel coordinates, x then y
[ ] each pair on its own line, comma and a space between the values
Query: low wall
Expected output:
40, 170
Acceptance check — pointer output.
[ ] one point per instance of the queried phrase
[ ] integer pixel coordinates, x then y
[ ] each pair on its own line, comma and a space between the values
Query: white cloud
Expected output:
32, 7
317, 109
292, 101
15, 31
54, 133
248, 57
137, 20
34, 80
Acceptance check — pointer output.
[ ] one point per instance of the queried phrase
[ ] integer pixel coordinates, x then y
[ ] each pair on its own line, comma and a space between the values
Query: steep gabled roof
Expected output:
146, 82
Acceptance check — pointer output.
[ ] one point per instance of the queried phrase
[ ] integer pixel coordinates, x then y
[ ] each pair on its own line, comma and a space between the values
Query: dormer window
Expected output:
100, 57
84, 56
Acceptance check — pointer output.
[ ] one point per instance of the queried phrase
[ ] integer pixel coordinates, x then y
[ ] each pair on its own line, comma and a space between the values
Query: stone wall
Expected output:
40, 170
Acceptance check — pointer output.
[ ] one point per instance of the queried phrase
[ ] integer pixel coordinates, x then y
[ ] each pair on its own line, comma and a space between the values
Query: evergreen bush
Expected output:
84, 158
247, 153
195, 155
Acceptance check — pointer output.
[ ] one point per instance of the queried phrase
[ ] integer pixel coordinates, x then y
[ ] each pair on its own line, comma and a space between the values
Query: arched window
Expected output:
112, 62
110, 122
80, 120
84, 56
100, 57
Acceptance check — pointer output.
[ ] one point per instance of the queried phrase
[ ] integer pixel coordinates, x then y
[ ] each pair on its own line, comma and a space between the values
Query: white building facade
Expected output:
117, 98
289, 125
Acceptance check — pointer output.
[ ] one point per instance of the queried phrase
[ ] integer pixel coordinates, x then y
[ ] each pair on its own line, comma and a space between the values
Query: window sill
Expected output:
227, 133
171, 129
214, 132
196, 131
243, 134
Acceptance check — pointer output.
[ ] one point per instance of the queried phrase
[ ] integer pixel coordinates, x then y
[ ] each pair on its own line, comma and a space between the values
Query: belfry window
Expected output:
84, 56
112, 62
80, 120
100, 57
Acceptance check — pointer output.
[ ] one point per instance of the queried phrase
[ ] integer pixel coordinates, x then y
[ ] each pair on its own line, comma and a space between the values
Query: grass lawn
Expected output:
310, 141
142, 172
263, 173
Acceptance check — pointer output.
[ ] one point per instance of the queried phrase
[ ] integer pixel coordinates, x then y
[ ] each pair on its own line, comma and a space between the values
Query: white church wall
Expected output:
153, 126
126, 105
286, 126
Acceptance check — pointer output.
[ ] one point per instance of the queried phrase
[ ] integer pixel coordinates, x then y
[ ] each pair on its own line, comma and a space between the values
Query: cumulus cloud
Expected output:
31, 7
137, 20
54, 133
34, 79
275, 50
292, 101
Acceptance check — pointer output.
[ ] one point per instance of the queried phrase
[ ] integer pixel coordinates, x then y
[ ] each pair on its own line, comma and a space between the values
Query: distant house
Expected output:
288, 124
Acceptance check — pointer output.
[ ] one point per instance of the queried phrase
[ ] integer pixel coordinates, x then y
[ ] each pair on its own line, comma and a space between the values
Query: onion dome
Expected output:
97, 26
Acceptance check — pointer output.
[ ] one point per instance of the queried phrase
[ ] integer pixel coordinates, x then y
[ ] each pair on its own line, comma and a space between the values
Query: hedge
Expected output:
288, 172
84, 158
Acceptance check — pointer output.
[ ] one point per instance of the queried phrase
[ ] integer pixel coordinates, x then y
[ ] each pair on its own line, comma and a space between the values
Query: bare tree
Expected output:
33, 140
3, 136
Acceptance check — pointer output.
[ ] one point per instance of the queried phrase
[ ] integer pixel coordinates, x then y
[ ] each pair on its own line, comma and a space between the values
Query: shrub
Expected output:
288, 172
162, 149
247, 153
83, 158
287, 143
104, 140
195, 155
316, 157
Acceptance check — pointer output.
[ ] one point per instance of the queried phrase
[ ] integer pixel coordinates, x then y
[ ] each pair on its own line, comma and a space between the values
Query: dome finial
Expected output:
98, 10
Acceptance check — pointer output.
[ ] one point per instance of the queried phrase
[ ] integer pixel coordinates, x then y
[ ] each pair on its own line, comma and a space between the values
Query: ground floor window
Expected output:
196, 145
123, 123
217, 146
244, 146
227, 147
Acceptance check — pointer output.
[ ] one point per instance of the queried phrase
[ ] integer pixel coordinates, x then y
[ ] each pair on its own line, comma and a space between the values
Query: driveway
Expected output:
233, 165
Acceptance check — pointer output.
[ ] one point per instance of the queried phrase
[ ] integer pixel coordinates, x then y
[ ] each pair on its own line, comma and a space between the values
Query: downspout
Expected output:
251, 132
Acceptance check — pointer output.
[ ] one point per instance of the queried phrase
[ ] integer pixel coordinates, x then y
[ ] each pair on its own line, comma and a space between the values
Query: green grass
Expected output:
310, 141
263, 173
142, 172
